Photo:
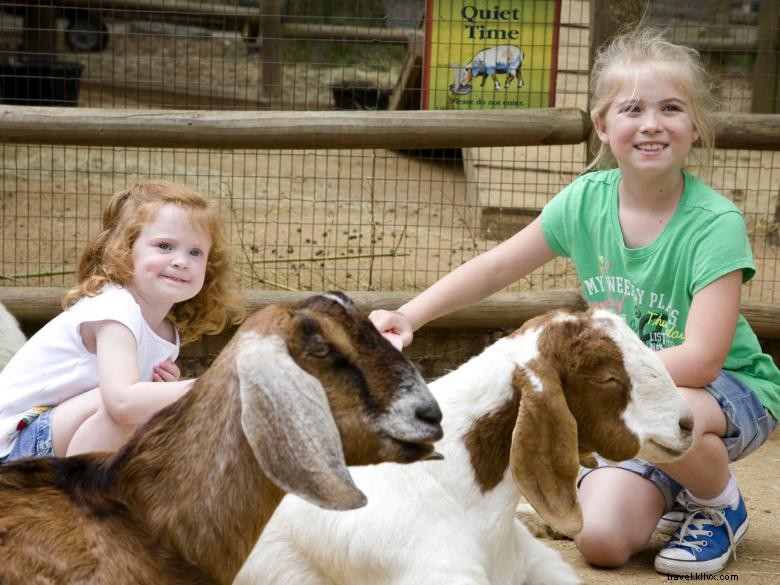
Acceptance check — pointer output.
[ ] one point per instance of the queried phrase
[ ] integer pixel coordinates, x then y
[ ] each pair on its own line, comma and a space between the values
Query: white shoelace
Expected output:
693, 526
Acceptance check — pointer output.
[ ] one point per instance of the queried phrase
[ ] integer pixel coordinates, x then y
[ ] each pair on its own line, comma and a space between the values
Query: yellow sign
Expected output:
490, 54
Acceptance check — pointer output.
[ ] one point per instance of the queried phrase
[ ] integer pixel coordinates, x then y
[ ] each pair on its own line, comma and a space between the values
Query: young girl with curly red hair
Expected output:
156, 276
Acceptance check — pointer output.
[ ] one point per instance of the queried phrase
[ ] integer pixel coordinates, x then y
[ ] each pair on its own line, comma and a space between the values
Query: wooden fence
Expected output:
335, 129
306, 130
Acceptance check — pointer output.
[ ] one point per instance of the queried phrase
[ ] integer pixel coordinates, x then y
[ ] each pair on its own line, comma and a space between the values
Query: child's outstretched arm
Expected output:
127, 399
709, 332
471, 282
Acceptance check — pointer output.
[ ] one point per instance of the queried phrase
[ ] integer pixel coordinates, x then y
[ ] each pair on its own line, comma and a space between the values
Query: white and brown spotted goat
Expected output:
518, 418
297, 395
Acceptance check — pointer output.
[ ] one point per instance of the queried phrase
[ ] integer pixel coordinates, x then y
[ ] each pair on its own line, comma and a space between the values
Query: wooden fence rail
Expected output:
37, 305
222, 16
306, 130
290, 130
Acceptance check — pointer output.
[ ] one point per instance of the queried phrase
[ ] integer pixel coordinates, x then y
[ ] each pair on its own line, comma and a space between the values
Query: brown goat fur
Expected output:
184, 501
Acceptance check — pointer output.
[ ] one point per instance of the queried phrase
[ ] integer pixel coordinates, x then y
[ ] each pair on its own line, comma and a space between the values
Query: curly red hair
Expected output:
109, 256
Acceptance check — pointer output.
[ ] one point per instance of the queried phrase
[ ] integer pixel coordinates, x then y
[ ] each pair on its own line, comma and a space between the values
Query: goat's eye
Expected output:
606, 380
319, 348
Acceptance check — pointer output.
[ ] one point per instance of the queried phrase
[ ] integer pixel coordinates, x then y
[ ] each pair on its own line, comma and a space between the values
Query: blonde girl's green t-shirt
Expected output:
652, 287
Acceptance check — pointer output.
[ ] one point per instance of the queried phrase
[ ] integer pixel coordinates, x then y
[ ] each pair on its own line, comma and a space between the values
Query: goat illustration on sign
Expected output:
506, 59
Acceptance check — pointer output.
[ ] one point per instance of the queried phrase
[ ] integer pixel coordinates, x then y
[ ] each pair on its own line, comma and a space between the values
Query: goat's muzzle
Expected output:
411, 438
662, 449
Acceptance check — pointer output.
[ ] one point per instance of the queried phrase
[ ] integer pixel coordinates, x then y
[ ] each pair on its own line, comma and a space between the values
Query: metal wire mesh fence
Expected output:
311, 219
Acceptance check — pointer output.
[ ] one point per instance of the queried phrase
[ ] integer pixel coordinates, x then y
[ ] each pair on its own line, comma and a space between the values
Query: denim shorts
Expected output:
748, 426
34, 440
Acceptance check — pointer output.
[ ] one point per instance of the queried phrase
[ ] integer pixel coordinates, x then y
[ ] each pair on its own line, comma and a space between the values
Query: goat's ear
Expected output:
288, 423
544, 457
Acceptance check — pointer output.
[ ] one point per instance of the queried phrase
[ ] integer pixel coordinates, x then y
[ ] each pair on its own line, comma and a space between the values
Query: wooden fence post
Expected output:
271, 34
766, 90
607, 18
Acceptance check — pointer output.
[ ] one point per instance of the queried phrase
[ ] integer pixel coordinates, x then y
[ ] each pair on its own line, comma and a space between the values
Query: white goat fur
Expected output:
11, 336
433, 523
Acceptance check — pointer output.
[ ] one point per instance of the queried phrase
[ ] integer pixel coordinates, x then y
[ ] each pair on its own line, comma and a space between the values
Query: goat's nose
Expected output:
429, 412
686, 423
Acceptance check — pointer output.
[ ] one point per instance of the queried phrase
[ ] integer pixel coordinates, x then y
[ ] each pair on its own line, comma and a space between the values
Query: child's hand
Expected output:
394, 326
166, 371
394, 338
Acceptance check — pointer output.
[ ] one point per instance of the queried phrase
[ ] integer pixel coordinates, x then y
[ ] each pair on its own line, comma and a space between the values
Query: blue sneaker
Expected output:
671, 521
704, 541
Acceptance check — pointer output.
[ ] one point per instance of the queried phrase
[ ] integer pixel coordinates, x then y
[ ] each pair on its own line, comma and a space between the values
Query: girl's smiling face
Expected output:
169, 258
648, 126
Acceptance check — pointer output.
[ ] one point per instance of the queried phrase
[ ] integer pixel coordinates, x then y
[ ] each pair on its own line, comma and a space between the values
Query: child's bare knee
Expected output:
602, 547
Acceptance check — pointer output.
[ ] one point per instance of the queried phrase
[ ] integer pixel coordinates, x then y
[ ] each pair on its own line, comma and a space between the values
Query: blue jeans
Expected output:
34, 440
748, 426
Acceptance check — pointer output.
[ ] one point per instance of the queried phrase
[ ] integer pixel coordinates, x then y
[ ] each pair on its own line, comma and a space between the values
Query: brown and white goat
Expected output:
296, 395
518, 418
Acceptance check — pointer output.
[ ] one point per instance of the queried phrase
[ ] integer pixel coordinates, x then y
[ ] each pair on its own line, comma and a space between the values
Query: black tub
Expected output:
352, 97
40, 83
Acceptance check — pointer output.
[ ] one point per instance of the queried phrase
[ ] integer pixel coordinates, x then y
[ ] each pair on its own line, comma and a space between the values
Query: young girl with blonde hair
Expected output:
655, 244
156, 276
